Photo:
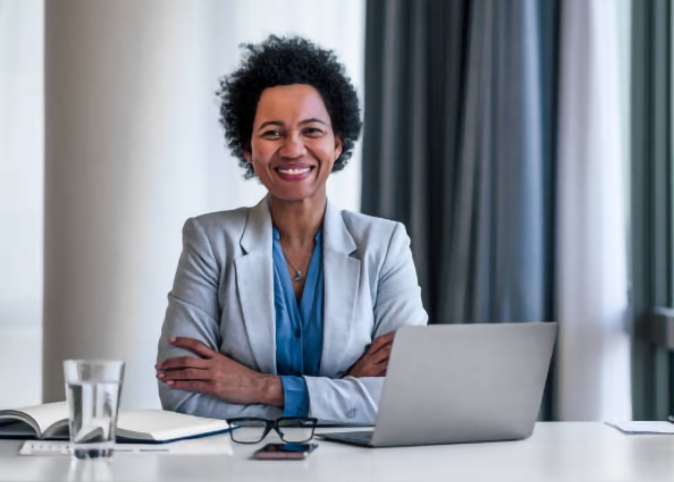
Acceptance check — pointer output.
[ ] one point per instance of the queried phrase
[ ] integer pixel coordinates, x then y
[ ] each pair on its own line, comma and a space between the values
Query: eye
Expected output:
313, 132
271, 133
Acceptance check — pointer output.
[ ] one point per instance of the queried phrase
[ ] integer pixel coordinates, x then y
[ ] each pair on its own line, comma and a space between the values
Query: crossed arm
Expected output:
217, 375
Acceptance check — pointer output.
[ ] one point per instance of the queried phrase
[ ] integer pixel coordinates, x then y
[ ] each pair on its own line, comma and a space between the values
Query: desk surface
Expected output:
556, 451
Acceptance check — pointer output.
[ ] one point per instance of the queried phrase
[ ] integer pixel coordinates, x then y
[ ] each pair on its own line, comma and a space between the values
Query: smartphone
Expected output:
284, 451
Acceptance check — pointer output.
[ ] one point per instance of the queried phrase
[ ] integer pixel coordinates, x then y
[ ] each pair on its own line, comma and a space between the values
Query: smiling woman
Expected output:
288, 308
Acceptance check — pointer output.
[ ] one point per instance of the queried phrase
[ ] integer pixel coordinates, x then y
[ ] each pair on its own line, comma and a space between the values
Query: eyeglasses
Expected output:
253, 430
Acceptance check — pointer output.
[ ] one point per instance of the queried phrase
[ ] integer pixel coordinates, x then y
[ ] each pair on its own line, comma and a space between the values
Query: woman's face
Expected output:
293, 147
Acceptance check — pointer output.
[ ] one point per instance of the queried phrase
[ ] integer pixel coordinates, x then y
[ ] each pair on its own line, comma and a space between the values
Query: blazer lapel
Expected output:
255, 286
341, 274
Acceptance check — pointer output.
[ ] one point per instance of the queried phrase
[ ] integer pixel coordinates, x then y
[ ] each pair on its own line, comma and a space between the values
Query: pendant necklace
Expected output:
298, 273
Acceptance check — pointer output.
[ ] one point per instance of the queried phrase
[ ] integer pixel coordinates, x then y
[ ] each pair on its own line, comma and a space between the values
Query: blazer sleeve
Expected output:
193, 311
397, 303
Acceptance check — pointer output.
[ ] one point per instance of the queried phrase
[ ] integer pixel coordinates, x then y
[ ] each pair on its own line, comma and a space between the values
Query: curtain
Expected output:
459, 145
471, 109
652, 213
593, 349
21, 199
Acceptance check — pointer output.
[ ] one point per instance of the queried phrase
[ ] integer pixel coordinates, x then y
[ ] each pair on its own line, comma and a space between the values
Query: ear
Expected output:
338, 146
247, 154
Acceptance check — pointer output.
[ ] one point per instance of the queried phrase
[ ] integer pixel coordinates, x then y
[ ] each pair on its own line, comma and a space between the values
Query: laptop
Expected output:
460, 383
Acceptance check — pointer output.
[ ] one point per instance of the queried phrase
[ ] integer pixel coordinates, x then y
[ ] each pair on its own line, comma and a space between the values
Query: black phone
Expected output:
286, 451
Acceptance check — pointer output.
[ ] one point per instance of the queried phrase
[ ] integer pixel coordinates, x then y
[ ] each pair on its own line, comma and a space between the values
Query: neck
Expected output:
298, 221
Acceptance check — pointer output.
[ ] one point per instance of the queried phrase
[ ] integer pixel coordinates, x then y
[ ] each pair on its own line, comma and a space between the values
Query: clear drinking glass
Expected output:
93, 389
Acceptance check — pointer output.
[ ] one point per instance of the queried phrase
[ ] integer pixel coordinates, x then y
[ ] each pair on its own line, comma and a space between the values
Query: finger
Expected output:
383, 363
374, 351
189, 374
195, 345
192, 386
182, 362
381, 342
381, 355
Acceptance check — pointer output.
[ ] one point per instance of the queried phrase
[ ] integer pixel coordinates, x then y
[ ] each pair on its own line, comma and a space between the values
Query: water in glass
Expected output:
93, 394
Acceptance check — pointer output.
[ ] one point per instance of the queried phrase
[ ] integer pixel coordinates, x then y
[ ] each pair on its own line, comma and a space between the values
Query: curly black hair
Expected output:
287, 61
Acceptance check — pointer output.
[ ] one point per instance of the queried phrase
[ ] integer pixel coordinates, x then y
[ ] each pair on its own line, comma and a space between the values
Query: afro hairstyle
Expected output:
286, 61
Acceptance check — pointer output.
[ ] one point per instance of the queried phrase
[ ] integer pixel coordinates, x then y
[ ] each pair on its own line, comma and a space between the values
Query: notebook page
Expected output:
48, 414
162, 425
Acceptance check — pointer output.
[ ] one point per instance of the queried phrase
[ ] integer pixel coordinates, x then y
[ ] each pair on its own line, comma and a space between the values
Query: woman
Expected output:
287, 308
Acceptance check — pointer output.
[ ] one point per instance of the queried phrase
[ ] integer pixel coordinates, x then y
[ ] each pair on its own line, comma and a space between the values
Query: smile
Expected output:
294, 171
294, 174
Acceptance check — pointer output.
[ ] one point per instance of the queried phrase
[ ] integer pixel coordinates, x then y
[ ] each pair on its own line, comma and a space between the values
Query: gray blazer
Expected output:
223, 295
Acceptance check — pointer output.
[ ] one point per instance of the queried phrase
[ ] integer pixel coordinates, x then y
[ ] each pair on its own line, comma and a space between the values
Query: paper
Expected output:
212, 446
31, 447
634, 428
162, 425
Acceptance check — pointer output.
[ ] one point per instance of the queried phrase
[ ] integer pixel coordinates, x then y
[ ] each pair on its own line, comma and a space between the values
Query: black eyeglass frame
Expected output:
273, 425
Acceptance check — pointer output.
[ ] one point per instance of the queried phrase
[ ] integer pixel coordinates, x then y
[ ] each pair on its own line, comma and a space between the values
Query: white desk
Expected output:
556, 452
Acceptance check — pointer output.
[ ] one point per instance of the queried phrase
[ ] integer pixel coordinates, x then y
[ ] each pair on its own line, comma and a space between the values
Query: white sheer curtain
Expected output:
593, 353
21, 180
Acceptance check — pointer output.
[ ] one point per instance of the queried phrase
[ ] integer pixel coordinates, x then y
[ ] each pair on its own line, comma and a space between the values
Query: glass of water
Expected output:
93, 388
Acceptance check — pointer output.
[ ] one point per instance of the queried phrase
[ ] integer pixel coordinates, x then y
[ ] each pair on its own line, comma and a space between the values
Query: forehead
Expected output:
291, 103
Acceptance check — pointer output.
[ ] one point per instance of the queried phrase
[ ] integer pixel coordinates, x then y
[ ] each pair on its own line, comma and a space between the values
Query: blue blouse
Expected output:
299, 328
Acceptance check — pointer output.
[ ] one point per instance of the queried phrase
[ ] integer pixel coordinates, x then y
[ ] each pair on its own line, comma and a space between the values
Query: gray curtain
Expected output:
652, 203
459, 145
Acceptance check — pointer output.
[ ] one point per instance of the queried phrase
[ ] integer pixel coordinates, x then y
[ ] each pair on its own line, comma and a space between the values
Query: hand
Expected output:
374, 362
218, 375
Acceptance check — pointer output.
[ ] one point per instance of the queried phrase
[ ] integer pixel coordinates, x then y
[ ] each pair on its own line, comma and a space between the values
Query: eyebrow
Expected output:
280, 124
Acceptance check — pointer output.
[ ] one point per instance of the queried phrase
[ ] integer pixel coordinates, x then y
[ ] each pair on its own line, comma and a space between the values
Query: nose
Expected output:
293, 147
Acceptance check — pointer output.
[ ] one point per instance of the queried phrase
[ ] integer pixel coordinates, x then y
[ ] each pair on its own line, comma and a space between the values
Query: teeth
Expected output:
294, 171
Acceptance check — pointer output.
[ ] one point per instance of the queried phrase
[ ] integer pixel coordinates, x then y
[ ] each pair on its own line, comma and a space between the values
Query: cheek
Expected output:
325, 151
328, 165
329, 162
261, 154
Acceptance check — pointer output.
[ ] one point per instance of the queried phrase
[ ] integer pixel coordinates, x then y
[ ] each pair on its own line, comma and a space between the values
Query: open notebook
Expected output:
50, 421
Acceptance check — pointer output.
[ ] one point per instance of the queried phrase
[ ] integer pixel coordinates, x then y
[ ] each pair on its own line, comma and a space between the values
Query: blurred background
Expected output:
525, 144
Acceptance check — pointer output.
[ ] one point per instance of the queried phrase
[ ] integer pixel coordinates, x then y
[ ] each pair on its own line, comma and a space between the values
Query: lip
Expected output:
286, 176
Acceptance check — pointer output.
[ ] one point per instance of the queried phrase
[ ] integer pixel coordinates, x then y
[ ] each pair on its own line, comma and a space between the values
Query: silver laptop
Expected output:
461, 383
